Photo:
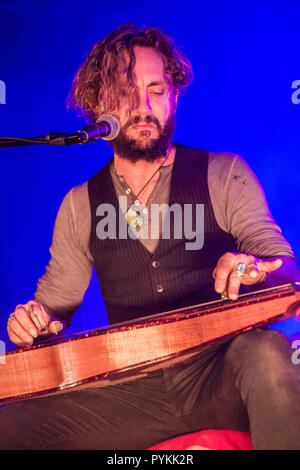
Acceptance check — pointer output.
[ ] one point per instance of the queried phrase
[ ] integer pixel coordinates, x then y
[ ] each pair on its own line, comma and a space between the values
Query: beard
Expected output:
146, 149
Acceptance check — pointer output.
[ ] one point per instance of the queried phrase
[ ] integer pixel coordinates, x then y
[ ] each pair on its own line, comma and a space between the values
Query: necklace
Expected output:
134, 215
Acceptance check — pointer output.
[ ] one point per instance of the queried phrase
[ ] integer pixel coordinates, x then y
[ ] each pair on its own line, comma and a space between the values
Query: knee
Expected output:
260, 347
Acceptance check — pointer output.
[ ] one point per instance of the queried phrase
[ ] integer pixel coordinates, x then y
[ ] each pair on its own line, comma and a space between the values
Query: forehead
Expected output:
149, 65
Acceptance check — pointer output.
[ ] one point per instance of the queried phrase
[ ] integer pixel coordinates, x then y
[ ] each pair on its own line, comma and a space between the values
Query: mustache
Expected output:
142, 120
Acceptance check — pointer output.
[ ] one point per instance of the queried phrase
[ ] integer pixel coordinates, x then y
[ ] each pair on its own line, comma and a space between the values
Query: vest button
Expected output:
159, 288
155, 264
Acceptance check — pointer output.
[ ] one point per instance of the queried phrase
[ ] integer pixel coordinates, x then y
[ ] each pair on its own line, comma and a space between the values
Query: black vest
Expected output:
135, 282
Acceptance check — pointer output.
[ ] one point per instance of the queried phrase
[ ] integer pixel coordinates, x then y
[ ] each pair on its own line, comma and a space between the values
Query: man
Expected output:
137, 75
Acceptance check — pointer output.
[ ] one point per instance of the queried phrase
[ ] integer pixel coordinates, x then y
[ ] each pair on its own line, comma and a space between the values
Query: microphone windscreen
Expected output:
114, 125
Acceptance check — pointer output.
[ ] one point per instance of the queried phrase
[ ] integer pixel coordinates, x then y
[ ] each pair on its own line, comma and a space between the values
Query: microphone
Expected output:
107, 127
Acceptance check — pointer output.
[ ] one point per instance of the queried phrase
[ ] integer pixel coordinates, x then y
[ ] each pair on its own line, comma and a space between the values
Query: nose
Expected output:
143, 102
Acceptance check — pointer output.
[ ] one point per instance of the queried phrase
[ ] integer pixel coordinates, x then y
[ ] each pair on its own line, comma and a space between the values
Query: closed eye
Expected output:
158, 89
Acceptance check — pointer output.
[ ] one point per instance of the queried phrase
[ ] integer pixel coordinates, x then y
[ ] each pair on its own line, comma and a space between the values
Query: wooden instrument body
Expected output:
122, 352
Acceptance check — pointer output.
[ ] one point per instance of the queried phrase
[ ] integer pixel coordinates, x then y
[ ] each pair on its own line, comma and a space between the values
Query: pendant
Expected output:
134, 217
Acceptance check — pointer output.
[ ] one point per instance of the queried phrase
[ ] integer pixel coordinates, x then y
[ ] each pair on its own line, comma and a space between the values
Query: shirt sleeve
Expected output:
241, 207
61, 289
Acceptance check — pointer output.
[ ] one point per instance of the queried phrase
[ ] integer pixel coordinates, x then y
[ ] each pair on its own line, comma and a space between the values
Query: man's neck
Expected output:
138, 173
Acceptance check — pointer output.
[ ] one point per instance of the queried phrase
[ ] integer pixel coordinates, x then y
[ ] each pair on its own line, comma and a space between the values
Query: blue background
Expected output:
245, 57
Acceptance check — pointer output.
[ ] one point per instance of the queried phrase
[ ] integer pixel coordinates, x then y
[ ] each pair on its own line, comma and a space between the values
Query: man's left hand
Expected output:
228, 279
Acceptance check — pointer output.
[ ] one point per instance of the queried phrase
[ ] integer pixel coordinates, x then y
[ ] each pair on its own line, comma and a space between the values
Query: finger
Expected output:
37, 315
234, 284
252, 270
42, 319
15, 329
268, 266
18, 341
55, 327
22, 320
222, 272
225, 266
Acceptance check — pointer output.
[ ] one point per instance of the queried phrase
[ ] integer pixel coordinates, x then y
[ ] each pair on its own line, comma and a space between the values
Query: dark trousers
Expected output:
247, 383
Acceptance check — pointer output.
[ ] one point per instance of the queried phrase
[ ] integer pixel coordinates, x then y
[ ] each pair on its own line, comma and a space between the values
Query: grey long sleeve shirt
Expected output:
239, 205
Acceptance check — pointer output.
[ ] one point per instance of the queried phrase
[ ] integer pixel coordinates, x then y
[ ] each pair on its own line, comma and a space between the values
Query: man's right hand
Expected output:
29, 321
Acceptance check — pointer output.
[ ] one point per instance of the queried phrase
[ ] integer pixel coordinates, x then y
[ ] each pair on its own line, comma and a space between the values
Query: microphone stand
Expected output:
54, 138
16, 142
107, 127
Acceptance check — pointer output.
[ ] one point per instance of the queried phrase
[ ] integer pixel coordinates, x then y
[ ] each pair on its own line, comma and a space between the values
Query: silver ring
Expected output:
241, 269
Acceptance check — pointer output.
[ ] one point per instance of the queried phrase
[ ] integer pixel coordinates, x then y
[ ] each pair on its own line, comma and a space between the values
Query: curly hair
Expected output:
106, 76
